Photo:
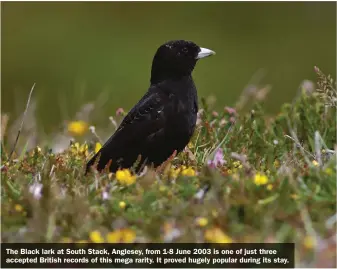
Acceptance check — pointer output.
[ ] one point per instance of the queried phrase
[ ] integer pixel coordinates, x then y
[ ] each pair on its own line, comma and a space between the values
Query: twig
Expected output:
144, 171
113, 122
298, 144
93, 131
4, 122
23, 119
318, 147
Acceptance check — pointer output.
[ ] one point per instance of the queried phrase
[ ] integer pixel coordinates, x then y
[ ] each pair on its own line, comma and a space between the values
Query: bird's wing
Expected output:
141, 125
143, 120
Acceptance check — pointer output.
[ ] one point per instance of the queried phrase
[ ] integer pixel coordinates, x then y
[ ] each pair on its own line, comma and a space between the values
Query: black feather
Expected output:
164, 119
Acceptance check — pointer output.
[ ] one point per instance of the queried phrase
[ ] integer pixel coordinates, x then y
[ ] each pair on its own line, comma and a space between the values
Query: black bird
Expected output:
164, 119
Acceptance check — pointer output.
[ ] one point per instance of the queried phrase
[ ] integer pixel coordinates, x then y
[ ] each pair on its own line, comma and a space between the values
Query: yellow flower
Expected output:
276, 164
84, 149
237, 164
124, 177
329, 171
96, 237
260, 179
215, 213
309, 242
174, 173
294, 196
216, 235
121, 236
270, 187
98, 146
113, 237
162, 188
18, 208
315, 163
189, 172
190, 145
129, 236
122, 204
78, 128
229, 171
202, 222
78, 149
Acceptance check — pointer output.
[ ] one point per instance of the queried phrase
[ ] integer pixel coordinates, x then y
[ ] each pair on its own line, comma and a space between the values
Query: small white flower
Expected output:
173, 234
199, 120
223, 122
200, 194
36, 190
105, 195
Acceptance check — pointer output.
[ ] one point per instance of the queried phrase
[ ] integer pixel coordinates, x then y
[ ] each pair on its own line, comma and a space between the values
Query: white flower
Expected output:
36, 190
105, 195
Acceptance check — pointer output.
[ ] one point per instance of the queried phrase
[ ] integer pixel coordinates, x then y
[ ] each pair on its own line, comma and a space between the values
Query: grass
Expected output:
245, 177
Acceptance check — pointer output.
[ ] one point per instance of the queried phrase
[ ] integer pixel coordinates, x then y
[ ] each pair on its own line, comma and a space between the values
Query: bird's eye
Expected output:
185, 50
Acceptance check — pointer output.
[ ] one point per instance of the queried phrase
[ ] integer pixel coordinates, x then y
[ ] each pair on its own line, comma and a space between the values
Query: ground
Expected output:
244, 177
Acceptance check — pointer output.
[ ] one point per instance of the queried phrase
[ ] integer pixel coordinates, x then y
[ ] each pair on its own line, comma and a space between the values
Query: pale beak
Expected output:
204, 53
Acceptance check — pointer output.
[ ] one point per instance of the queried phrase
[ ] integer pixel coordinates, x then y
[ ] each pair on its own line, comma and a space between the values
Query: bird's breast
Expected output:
182, 108
183, 118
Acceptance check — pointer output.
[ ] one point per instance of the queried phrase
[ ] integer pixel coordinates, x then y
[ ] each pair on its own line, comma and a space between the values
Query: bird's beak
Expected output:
204, 53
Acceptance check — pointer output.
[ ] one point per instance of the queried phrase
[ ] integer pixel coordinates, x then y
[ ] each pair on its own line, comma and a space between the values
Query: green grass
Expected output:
294, 150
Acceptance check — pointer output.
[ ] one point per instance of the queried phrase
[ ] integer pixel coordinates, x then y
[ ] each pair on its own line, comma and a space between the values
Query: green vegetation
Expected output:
245, 177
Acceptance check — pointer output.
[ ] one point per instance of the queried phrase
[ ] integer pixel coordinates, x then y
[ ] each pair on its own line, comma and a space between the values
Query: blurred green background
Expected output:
77, 51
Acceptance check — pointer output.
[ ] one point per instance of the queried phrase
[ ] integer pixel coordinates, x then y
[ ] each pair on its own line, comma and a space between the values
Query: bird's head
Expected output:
176, 59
